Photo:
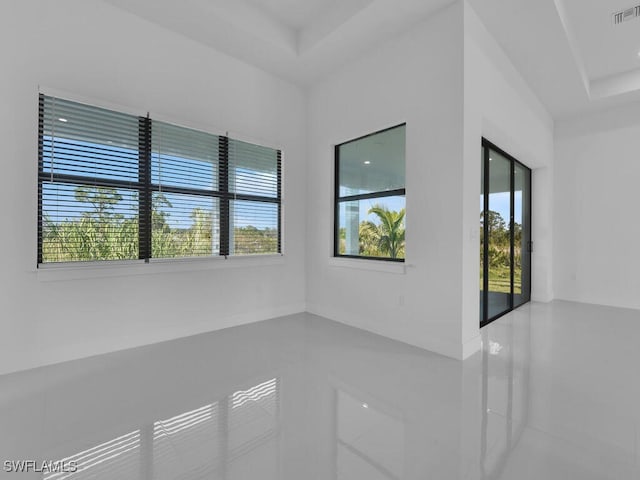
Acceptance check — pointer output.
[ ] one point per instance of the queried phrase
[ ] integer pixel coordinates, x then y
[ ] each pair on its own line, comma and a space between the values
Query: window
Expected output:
114, 186
370, 196
505, 233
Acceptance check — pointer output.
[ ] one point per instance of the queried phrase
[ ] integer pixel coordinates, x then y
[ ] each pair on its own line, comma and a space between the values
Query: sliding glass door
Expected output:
521, 235
505, 233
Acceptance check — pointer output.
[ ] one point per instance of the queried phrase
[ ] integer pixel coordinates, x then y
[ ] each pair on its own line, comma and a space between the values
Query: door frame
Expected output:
488, 146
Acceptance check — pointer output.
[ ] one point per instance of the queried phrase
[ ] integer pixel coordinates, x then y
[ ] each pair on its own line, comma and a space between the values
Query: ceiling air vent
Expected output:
626, 15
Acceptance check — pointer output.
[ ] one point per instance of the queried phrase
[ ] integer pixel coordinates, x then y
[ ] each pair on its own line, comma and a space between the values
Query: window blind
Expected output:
89, 183
185, 196
114, 186
254, 178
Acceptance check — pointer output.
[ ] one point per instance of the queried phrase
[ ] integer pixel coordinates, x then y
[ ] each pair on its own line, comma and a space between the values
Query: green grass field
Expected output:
499, 280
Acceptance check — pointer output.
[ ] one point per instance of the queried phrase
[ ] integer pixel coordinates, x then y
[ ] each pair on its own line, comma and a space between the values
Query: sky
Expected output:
112, 162
59, 203
499, 202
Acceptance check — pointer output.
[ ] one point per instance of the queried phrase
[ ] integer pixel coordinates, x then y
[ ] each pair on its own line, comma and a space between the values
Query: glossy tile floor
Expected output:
554, 394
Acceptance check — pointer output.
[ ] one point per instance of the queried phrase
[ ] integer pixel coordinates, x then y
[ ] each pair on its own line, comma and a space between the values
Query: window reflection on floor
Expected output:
226, 439
370, 442
117, 458
187, 444
253, 421
505, 395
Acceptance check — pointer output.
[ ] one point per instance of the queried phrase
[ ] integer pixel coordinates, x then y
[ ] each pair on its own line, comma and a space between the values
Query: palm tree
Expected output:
369, 236
390, 231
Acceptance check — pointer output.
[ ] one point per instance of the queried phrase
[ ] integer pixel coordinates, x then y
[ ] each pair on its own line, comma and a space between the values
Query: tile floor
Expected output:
554, 394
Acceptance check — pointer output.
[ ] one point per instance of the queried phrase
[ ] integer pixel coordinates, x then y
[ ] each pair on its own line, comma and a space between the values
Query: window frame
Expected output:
146, 187
337, 199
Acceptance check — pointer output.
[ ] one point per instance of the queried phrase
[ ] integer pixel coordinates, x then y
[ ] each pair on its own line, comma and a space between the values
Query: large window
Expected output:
113, 186
370, 196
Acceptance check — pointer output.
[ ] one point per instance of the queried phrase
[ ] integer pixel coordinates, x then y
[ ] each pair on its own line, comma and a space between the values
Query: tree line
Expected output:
499, 252
102, 233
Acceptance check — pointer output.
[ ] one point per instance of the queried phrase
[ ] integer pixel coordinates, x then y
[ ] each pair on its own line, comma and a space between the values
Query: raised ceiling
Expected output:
609, 53
607, 49
569, 51
294, 14
299, 40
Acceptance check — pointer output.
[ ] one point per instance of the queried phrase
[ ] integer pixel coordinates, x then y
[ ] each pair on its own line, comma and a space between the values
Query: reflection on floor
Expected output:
553, 394
499, 302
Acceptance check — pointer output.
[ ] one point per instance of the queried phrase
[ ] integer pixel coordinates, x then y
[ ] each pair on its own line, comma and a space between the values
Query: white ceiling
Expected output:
607, 49
294, 14
569, 51
299, 40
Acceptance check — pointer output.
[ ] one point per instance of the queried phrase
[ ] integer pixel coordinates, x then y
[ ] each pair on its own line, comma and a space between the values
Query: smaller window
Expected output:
370, 196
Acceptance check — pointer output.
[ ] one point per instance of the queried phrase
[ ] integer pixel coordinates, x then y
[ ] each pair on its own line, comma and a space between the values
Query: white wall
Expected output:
452, 84
500, 106
416, 79
596, 227
446, 78
97, 52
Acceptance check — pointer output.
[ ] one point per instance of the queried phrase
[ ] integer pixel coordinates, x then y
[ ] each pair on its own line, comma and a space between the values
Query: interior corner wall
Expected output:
596, 223
417, 79
500, 106
97, 51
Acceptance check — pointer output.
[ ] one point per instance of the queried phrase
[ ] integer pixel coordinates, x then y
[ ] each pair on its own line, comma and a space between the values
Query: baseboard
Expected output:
470, 347
91, 348
441, 347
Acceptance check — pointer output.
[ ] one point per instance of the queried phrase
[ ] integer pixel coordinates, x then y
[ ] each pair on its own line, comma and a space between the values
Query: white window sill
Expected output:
371, 265
84, 270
